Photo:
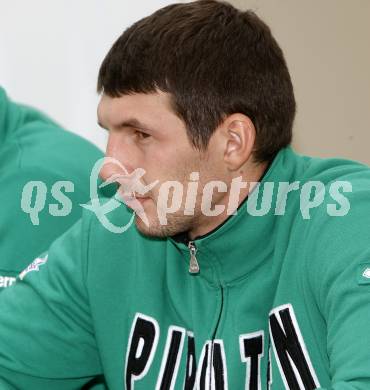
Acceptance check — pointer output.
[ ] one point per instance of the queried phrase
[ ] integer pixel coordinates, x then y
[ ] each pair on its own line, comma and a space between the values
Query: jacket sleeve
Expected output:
16, 221
44, 177
339, 264
46, 335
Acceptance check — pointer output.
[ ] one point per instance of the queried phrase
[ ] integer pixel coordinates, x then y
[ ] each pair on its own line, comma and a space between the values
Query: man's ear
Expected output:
240, 136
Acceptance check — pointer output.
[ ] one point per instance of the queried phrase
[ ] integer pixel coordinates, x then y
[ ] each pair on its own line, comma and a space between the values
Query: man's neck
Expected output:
210, 223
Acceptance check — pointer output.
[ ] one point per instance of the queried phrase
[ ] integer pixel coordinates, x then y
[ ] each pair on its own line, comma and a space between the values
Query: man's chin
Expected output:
147, 230
155, 229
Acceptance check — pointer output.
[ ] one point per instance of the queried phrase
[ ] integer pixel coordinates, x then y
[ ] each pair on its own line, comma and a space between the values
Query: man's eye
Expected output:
141, 135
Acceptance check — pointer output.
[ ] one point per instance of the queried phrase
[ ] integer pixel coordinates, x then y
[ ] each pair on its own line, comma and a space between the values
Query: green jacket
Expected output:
34, 148
279, 298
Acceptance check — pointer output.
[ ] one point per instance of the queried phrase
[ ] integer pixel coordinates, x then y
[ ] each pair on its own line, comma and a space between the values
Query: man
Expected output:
41, 184
221, 282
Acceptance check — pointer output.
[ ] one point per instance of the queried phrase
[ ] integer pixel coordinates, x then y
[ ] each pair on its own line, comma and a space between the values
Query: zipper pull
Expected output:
194, 266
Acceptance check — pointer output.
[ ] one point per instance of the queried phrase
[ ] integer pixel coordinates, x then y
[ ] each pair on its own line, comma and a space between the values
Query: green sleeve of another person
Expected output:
44, 177
56, 349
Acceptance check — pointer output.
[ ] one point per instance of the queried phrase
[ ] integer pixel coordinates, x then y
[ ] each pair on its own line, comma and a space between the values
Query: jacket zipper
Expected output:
193, 266
194, 269
214, 335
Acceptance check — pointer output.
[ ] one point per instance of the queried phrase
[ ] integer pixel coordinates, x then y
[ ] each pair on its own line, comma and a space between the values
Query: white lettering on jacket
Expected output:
6, 281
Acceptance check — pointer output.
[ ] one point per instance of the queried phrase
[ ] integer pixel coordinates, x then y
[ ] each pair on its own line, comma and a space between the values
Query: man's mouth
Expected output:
133, 201
141, 199
133, 196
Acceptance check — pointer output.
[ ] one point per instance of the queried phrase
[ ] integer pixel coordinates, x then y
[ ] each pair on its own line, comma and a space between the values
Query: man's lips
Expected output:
142, 199
133, 202
132, 197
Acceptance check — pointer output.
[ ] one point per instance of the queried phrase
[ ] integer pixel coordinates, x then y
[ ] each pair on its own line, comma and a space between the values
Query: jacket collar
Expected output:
243, 241
10, 115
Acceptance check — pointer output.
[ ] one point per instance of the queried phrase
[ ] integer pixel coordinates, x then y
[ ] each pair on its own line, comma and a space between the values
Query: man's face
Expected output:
145, 133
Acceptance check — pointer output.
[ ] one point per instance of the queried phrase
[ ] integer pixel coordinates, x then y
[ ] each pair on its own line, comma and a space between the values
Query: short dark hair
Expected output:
214, 60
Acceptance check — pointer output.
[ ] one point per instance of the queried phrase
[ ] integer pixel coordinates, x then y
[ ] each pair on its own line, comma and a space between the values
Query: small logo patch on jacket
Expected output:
364, 273
34, 266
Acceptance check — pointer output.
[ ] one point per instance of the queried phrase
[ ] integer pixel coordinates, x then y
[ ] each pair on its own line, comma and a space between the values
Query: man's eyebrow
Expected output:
131, 122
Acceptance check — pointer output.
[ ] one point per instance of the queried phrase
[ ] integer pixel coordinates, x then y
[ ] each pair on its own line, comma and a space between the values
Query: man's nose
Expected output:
109, 170
115, 161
